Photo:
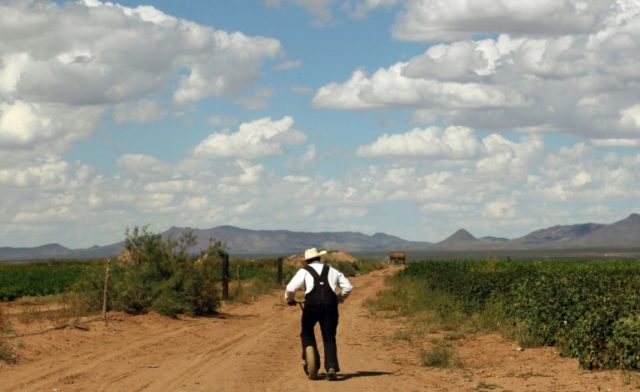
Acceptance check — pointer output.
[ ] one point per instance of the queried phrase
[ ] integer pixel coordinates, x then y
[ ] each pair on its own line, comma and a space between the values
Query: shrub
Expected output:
442, 355
623, 346
360, 266
347, 268
160, 275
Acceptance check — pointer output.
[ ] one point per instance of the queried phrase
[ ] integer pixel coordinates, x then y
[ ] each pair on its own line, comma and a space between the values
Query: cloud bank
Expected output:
574, 79
55, 87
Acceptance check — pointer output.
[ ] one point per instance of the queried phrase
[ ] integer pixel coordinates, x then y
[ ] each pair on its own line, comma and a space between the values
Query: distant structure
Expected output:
397, 257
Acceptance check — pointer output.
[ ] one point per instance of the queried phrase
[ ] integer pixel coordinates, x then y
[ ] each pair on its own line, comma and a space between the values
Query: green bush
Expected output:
347, 268
159, 275
624, 344
89, 287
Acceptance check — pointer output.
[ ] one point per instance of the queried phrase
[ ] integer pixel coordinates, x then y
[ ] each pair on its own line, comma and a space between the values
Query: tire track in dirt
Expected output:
81, 364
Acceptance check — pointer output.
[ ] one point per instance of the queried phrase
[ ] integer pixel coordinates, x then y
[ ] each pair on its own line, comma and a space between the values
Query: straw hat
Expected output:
313, 253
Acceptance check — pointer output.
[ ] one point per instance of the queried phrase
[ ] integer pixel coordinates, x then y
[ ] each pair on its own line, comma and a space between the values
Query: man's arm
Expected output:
296, 282
345, 287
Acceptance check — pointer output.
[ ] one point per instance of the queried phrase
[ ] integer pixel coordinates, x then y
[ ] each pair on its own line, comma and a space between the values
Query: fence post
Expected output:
279, 276
225, 276
105, 292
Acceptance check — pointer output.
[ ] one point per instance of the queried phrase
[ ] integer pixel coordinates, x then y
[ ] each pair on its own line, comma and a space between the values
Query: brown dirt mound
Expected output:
297, 260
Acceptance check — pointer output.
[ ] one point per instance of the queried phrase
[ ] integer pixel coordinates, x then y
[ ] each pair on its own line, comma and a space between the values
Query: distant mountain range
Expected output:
621, 234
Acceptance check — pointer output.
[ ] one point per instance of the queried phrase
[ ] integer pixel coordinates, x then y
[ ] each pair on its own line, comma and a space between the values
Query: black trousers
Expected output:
328, 319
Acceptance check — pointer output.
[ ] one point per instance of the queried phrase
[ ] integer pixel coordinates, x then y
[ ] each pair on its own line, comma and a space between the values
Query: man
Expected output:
320, 306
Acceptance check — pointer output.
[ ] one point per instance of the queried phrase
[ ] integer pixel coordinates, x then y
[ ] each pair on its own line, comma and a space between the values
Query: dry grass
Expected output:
29, 314
6, 352
246, 291
441, 355
4, 322
631, 378
67, 312
40, 300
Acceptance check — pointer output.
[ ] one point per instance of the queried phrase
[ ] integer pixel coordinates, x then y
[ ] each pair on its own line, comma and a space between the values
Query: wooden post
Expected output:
238, 276
225, 276
279, 276
105, 293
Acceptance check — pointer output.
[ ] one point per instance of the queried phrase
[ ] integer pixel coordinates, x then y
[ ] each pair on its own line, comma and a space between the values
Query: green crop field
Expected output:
41, 278
587, 309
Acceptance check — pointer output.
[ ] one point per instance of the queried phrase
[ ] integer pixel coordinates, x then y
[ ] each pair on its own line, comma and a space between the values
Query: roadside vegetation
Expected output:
42, 278
589, 310
359, 267
6, 352
157, 274
153, 274
251, 278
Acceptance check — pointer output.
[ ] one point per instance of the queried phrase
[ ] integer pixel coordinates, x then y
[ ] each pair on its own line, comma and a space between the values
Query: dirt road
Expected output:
255, 347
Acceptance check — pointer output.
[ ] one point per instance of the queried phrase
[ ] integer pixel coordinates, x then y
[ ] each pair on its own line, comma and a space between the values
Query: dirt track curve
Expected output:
255, 347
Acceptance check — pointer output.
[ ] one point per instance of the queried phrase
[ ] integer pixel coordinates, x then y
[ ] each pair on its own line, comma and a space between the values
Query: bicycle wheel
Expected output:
312, 364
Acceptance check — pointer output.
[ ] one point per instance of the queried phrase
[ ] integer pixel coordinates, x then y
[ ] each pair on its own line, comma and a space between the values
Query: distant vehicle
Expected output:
397, 257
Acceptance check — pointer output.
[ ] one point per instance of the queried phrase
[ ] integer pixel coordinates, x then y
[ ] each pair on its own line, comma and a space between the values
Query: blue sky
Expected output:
413, 118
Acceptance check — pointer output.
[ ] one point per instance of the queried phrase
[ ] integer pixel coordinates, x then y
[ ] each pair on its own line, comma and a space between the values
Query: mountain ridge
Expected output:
624, 233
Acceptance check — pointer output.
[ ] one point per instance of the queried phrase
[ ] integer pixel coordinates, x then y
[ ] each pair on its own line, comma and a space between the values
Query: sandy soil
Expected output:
255, 347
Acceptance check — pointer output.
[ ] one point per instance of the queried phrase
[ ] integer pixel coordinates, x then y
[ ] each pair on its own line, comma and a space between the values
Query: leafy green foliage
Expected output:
623, 347
41, 278
159, 275
254, 277
589, 310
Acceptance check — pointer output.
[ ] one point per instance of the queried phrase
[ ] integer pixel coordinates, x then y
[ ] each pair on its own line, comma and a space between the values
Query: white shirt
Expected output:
303, 277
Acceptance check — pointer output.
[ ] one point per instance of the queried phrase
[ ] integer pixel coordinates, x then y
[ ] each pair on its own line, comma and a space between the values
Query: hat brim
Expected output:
321, 253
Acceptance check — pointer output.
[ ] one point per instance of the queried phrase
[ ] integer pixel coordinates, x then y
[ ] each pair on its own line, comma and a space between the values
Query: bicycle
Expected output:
311, 361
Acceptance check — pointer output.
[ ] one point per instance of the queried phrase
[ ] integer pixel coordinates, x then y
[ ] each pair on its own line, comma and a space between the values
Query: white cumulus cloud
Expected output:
431, 143
27, 125
392, 88
55, 86
492, 153
256, 139
576, 80
50, 172
431, 20
141, 163
105, 53
630, 118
